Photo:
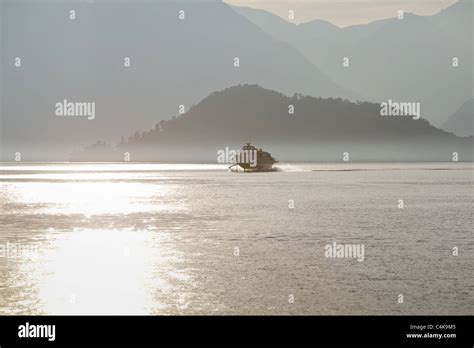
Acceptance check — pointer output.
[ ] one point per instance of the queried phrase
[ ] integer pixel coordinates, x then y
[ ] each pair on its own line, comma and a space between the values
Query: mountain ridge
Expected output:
416, 52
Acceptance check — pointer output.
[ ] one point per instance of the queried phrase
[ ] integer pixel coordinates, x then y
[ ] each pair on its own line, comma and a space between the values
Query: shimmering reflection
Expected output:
102, 241
94, 198
98, 271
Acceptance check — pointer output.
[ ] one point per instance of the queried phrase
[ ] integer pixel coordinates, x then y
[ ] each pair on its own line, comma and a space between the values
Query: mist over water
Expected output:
162, 239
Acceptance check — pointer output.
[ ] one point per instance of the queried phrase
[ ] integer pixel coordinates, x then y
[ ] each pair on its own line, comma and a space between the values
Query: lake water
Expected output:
197, 239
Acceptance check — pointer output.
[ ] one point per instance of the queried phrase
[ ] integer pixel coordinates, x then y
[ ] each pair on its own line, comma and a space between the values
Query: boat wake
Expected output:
290, 168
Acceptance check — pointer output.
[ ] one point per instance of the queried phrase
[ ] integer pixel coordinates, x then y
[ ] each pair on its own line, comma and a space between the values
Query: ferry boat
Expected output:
251, 159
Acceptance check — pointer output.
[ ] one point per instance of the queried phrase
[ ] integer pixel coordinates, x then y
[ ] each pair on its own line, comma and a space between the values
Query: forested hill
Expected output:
291, 125
238, 112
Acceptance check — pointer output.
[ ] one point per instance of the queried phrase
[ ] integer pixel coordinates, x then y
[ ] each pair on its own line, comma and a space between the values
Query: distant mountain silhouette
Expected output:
462, 121
173, 62
407, 59
319, 129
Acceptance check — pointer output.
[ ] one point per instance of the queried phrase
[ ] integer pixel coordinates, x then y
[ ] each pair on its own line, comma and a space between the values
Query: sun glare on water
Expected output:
99, 246
99, 272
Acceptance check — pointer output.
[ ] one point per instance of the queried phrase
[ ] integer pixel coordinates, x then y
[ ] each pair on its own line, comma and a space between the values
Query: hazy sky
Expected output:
345, 12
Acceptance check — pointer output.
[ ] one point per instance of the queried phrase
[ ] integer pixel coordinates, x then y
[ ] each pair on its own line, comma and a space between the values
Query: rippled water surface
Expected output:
197, 239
